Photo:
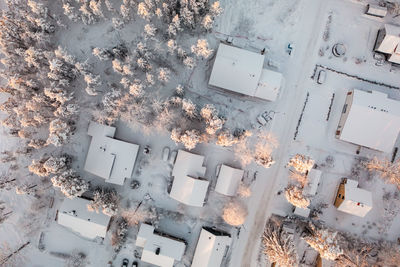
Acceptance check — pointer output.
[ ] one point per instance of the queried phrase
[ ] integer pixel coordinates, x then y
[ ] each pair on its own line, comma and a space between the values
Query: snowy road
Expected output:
296, 75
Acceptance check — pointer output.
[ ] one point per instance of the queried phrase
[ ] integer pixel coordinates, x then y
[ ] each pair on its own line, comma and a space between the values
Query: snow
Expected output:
228, 180
375, 10
303, 212
210, 249
74, 214
188, 187
313, 179
269, 85
357, 201
169, 249
109, 158
371, 120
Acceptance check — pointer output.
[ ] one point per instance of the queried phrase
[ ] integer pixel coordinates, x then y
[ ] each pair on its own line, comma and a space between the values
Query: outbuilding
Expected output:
370, 119
228, 180
376, 11
75, 215
388, 41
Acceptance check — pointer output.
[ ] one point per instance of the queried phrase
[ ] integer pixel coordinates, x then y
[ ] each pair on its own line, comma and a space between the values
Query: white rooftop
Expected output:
169, 248
210, 249
228, 180
390, 40
74, 214
109, 158
357, 201
376, 10
187, 187
373, 121
269, 85
313, 178
303, 212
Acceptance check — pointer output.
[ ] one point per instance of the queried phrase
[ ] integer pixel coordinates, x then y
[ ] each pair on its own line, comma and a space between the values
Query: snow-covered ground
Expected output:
312, 27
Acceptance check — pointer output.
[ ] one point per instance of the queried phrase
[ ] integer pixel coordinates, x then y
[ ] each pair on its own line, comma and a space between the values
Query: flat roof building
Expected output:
158, 249
228, 180
352, 199
188, 186
75, 215
370, 119
211, 248
241, 71
107, 157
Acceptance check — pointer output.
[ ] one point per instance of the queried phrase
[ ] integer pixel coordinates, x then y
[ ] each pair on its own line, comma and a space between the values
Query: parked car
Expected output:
172, 157
261, 120
165, 154
321, 76
135, 264
125, 262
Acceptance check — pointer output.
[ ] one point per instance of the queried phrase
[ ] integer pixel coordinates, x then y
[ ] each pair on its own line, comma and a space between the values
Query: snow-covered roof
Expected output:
269, 85
74, 214
376, 10
313, 179
390, 40
303, 212
228, 180
159, 250
373, 121
210, 249
187, 187
236, 69
356, 201
109, 158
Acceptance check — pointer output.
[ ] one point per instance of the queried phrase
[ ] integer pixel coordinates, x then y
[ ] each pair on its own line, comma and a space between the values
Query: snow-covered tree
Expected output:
201, 49
50, 165
234, 213
70, 184
189, 138
301, 163
388, 171
106, 201
279, 246
294, 196
102, 54
189, 108
142, 213
119, 232
164, 75
149, 31
59, 132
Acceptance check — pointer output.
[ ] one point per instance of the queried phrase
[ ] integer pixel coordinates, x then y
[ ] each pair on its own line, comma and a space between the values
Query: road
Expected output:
300, 67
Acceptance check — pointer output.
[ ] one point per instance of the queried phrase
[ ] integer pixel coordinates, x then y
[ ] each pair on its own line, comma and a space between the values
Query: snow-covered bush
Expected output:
294, 196
106, 201
279, 246
70, 184
234, 213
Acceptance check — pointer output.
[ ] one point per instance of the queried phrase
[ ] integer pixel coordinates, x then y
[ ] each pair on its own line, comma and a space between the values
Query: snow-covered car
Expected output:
165, 154
125, 262
321, 76
261, 120
172, 157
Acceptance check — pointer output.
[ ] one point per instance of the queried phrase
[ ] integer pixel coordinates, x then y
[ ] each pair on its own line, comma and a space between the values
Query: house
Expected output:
159, 250
188, 186
387, 42
228, 180
370, 119
75, 215
107, 157
353, 200
376, 11
211, 248
241, 71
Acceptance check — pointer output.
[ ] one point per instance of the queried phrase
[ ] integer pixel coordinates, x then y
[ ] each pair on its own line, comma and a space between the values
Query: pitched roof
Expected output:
390, 40
228, 180
356, 201
373, 121
187, 187
210, 249
313, 179
169, 249
109, 158
74, 214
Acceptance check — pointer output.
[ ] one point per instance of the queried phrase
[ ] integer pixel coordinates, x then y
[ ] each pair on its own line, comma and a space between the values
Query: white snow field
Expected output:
298, 37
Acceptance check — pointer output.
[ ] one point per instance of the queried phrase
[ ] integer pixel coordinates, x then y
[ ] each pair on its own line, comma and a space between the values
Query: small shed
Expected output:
158, 249
302, 212
211, 248
74, 214
228, 180
313, 178
377, 11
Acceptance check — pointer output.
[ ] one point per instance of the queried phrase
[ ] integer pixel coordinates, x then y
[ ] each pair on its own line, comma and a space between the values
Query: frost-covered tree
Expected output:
294, 196
119, 232
149, 31
301, 163
234, 213
388, 171
279, 246
189, 138
102, 54
70, 184
201, 49
50, 165
59, 132
189, 108
142, 213
164, 75
106, 201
